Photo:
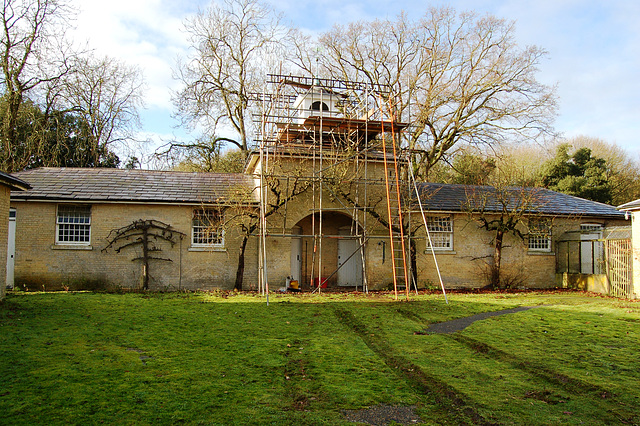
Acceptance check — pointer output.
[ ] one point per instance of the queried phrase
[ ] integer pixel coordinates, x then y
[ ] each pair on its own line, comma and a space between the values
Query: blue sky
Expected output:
593, 45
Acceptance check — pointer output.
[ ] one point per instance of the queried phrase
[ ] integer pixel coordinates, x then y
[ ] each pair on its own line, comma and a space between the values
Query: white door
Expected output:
349, 262
591, 250
11, 247
296, 254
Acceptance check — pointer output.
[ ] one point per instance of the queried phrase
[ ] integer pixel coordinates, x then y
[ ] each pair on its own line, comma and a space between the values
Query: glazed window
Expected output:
73, 224
319, 106
540, 235
441, 232
206, 228
591, 228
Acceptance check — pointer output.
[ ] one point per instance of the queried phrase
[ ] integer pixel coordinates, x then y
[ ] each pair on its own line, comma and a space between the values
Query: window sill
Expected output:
210, 249
71, 247
540, 253
437, 252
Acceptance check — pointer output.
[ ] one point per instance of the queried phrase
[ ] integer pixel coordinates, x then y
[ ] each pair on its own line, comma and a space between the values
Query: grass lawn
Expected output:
229, 359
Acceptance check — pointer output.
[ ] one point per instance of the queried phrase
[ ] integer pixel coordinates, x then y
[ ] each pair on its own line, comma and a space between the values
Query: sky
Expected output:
593, 51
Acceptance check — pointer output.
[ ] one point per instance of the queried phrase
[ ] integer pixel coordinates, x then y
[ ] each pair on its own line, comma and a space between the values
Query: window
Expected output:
206, 228
73, 224
591, 228
540, 235
318, 106
441, 232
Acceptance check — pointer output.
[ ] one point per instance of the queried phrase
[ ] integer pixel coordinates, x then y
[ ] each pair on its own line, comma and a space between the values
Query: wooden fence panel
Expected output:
618, 258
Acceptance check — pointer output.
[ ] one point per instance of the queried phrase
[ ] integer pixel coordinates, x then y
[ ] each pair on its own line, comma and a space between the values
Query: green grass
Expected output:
87, 358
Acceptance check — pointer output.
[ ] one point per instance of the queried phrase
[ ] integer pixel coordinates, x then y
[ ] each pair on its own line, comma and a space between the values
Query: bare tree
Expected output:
77, 105
202, 155
246, 217
32, 53
461, 79
107, 95
502, 209
233, 44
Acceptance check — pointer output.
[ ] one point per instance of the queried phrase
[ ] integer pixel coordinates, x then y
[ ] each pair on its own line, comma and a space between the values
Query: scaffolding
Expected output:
346, 134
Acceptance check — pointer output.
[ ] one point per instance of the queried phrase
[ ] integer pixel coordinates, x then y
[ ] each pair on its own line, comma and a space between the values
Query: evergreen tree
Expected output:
52, 139
580, 174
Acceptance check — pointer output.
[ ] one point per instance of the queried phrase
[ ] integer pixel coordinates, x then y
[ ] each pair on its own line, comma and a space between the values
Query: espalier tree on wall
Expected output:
145, 235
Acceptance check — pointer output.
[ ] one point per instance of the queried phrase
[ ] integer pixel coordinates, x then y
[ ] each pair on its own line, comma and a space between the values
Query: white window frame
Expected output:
72, 227
441, 233
201, 231
591, 228
539, 239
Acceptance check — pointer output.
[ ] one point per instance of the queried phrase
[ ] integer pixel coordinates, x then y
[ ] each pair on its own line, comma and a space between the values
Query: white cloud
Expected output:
145, 33
594, 48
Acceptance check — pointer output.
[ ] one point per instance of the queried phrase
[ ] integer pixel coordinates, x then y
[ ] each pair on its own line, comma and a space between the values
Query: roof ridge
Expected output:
112, 169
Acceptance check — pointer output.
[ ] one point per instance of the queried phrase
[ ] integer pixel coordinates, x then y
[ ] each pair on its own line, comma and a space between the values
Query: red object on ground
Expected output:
324, 282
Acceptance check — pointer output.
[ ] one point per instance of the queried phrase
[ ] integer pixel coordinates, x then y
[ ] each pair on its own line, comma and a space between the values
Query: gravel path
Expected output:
382, 415
452, 326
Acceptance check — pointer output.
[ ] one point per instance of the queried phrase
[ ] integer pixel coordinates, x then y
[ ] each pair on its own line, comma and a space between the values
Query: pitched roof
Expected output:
632, 205
13, 183
454, 198
152, 186
149, 186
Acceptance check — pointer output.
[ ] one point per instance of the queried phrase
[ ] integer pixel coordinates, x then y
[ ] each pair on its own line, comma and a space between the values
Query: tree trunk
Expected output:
414, 263
145, 258
240, 270
497, 257
14, 101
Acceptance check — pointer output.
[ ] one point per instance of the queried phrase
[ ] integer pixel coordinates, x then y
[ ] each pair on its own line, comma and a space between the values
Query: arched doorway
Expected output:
335, 257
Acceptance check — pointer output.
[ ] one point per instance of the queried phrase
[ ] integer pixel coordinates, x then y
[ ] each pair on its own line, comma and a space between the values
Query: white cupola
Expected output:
316, 102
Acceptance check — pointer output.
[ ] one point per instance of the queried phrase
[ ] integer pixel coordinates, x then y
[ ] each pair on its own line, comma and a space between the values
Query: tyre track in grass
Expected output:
295, 374
598, 395
454, 404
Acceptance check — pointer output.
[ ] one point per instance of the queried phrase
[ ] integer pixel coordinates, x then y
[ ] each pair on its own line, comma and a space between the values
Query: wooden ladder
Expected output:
394, 212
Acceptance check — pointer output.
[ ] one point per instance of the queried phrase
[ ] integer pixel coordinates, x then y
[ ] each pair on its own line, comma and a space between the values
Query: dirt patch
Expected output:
382, 415
546, 396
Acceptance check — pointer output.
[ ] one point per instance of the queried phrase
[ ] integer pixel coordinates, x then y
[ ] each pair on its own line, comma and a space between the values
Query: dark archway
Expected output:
336, 256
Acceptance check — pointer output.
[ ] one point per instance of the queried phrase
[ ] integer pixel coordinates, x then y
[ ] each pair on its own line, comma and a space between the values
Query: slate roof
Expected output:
632, 205
117, 185
14, 183
459, 198
150, 186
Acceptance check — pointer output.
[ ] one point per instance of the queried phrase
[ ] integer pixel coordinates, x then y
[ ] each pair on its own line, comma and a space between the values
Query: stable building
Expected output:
325, 201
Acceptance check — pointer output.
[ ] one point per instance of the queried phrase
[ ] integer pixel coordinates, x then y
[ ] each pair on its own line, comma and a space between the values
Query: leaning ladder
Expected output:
394, 214
426, 227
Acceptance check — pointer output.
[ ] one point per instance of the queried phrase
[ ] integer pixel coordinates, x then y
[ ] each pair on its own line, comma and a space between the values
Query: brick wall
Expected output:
41, 264
465, 265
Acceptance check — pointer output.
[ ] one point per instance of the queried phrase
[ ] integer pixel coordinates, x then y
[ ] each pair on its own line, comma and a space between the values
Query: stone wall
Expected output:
41, 264
337, 218
466, 265
5, 192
